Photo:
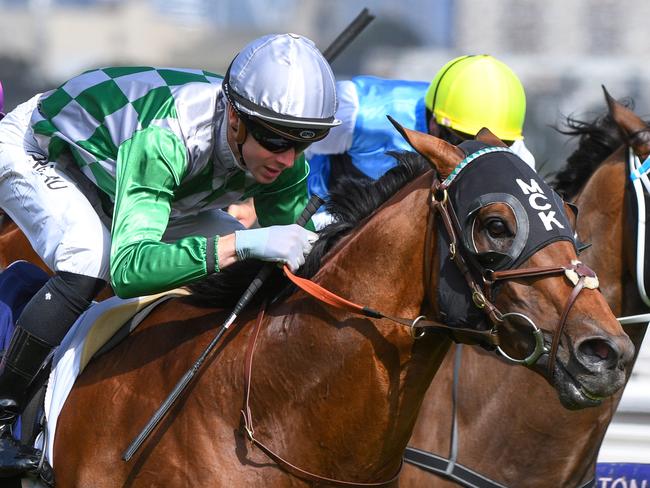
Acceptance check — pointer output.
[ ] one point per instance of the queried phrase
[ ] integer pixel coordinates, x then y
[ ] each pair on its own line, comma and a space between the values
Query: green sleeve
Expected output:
281, 202
150, 166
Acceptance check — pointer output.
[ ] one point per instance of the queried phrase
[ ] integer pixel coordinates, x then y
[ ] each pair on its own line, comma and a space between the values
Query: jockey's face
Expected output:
264, 165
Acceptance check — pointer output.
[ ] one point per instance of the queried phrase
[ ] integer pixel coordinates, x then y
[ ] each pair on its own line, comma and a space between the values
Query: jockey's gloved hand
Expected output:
279, 243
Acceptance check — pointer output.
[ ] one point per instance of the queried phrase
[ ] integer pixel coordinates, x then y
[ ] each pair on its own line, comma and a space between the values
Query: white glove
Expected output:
279, 243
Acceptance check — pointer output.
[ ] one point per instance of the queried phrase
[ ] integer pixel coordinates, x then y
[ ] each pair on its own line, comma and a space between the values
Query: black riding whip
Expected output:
348, 35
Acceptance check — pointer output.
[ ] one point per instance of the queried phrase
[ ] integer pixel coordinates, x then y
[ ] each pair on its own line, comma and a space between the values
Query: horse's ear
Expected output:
633, 128
444, 157
485, 135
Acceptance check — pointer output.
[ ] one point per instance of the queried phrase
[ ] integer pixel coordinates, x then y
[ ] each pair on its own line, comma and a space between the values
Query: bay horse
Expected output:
332, 392
515, 432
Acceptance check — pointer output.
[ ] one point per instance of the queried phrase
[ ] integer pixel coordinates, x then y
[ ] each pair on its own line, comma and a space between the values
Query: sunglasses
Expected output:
280, 139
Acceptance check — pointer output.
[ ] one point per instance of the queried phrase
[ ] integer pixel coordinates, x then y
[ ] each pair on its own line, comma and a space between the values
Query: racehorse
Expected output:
334, 393
516, 433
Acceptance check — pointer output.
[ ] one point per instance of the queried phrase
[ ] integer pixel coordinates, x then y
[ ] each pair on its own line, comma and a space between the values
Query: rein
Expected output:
469, 336
279, 460
641, 186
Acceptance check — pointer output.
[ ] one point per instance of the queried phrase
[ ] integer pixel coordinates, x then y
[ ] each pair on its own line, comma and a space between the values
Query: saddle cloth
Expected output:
93, 329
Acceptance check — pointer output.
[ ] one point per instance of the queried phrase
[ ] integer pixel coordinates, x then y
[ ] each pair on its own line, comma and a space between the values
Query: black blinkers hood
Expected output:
491, 174
487, 175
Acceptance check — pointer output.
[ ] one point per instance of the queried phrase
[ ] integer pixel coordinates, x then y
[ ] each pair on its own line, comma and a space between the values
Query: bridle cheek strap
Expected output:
556, 337
283, 463
582, 276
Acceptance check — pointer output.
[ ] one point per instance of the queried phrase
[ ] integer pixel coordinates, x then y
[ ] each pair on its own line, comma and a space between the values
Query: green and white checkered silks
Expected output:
95, 112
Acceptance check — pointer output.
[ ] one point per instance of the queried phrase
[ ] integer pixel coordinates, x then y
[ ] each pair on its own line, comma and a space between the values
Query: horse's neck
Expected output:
601, 224
358, 382
381, 264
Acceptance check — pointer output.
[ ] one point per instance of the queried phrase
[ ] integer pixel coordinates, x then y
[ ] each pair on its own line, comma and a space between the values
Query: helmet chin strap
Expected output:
240, 138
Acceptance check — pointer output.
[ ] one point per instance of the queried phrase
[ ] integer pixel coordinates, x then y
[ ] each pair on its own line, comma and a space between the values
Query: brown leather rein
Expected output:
579, 274
279, 460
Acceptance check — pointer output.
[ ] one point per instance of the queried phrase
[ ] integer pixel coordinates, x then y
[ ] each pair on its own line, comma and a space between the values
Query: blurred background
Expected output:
563, 51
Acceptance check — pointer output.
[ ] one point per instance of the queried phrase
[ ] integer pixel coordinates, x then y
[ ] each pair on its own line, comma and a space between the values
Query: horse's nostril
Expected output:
598, 349
601, 350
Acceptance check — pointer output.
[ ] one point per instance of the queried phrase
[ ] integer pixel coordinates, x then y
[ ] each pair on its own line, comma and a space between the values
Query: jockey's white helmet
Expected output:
284, 80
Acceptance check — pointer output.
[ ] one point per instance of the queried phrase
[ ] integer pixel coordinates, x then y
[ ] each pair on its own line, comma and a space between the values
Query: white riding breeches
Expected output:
59, 209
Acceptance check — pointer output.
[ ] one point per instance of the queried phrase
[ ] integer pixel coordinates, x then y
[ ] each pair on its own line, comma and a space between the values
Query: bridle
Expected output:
579, 274
483, 295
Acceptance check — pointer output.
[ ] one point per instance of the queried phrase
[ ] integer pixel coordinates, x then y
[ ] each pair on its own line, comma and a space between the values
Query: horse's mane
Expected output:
596, 141
351, 201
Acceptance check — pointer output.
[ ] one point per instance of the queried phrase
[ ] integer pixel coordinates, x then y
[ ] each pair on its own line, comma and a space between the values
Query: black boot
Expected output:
42, 325
22, 362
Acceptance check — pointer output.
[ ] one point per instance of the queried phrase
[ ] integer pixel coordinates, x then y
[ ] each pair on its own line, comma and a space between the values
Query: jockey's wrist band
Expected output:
210, 255
217, 268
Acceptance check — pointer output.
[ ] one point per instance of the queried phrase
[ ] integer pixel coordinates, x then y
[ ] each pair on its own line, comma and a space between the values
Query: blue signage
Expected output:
622, 475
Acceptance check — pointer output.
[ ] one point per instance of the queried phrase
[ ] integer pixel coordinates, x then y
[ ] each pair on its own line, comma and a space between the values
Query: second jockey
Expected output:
467, 94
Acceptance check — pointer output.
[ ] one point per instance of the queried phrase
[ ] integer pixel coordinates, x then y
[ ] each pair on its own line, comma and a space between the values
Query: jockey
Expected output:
467, 94
120, 174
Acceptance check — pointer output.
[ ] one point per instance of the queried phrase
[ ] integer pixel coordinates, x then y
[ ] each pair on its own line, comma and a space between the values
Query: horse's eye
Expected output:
497, 228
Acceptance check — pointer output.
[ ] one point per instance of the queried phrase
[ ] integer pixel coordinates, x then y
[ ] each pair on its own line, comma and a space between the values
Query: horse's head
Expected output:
512, 252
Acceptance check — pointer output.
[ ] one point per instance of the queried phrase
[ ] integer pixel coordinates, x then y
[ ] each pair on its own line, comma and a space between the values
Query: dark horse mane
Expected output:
596, 141
351, 201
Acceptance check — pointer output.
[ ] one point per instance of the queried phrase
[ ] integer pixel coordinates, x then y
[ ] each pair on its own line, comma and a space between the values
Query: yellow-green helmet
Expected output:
472, 92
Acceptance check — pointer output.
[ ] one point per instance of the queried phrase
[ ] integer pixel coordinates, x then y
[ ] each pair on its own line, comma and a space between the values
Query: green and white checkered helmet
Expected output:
284, 80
